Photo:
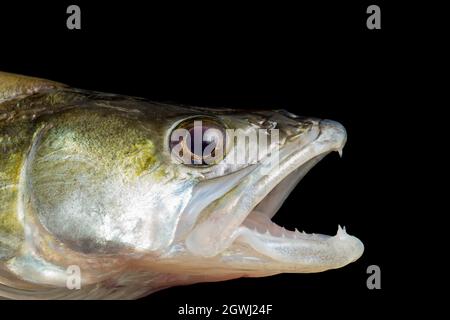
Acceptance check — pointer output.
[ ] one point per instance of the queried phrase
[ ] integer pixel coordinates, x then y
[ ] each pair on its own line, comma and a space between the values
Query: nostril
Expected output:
268, 124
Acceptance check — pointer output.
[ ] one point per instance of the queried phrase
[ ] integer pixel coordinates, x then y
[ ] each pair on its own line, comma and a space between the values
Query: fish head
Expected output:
226, 225
179, 190
142, 195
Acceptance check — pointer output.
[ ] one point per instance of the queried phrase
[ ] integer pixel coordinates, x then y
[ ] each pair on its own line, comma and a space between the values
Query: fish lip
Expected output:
205, 240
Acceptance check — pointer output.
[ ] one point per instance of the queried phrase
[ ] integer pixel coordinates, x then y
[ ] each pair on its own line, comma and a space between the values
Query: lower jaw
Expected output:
294, 251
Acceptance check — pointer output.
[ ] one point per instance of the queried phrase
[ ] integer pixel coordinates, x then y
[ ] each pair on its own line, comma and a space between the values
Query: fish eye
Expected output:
198, 142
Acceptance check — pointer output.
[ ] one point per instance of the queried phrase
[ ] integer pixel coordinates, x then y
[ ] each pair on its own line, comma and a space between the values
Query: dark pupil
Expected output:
204, 143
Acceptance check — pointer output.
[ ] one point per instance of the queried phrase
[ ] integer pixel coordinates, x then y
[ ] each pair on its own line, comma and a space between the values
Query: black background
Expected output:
312, 59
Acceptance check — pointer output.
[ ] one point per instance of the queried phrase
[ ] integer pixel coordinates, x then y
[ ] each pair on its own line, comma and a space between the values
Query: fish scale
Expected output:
91, 180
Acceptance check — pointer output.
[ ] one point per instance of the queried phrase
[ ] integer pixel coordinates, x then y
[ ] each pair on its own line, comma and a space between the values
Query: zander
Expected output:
87, 179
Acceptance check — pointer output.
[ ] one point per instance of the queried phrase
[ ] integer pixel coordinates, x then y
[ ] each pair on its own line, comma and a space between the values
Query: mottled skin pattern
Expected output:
86, 179
15, 136
100, 136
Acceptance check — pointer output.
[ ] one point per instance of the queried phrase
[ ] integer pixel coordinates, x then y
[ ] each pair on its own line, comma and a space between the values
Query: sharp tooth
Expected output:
340, 152
341, 231
267, 233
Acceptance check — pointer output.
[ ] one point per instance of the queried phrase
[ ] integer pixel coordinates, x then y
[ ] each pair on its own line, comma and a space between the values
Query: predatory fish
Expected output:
93, 205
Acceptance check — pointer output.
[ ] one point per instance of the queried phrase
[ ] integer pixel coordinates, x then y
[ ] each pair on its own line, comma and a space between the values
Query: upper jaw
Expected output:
233, 221
292, 251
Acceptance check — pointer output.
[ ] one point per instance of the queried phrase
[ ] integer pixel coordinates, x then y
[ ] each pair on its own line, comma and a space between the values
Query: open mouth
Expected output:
259, 219
300, 251
250, 222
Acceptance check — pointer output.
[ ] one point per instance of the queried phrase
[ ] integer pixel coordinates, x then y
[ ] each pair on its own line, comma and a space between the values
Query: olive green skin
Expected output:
117, 133
114, 129
56, 141
43, 125
87, 179
16, 131
28, 106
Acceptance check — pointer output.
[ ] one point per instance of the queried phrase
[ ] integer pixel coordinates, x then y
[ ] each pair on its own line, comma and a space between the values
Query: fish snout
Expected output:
333, 133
